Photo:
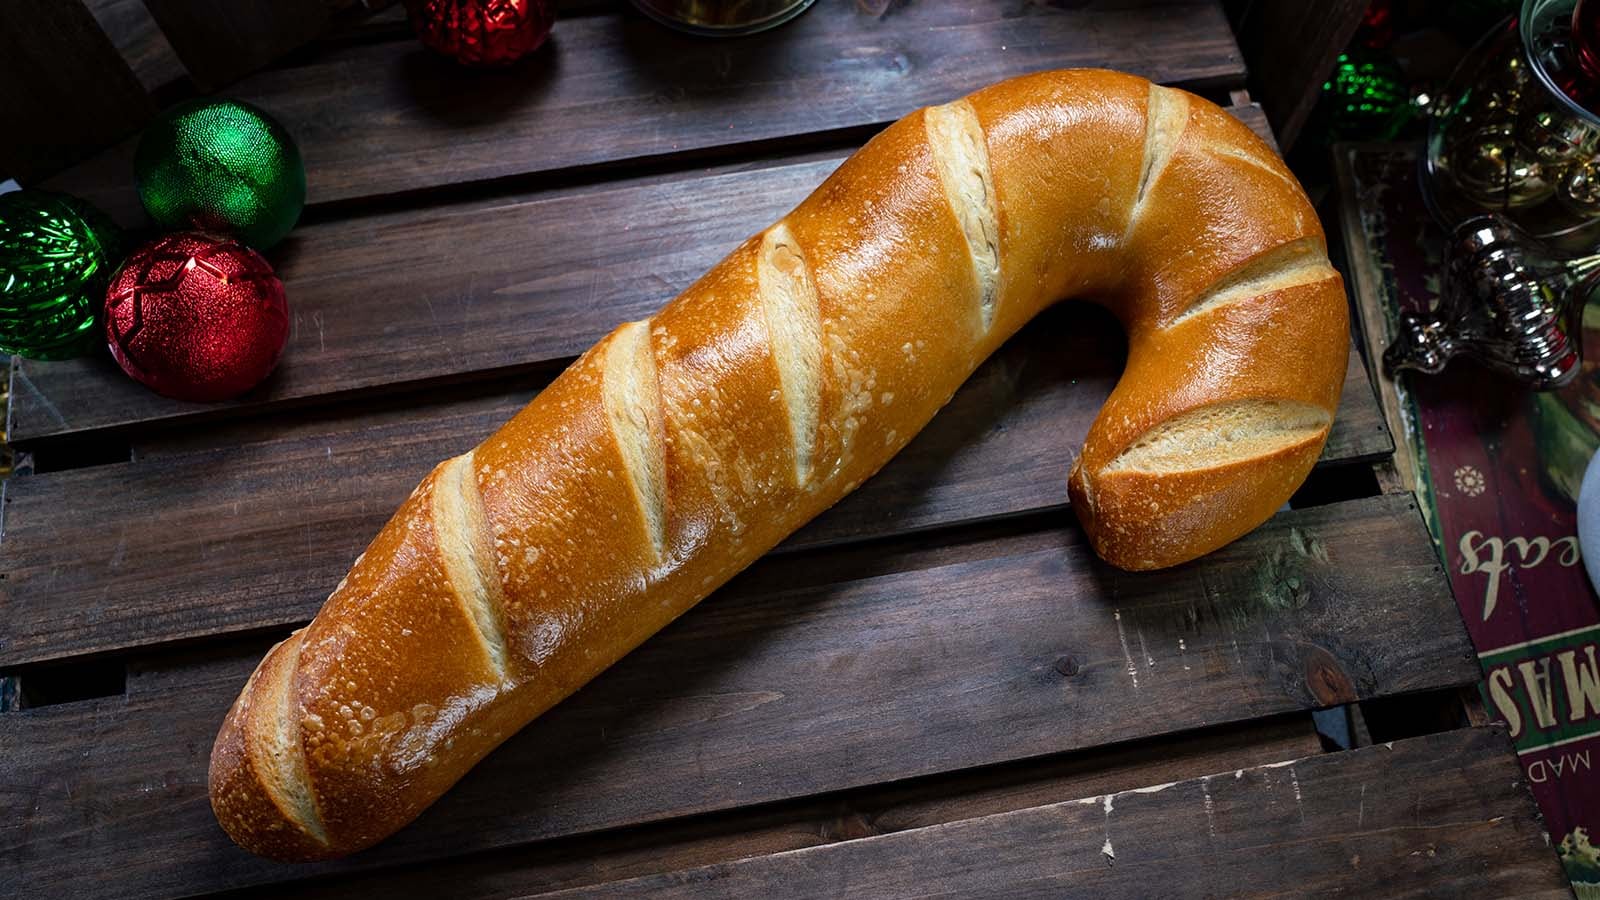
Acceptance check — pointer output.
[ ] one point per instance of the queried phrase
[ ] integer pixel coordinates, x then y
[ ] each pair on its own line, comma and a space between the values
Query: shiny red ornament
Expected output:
196, 317
1586, 35
482, 32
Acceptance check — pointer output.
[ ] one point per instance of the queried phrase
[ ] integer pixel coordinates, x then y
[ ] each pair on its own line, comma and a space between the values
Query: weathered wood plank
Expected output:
211, 541
800, 679
1359, 432
421, 295
1443, 815
384, 118
139, 39
65, 92
848, 815
220, 40
472, 290
1291, 48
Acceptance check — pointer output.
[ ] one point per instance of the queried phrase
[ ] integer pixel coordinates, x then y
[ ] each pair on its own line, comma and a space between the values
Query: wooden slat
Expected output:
1291, 47
203, 542
385, 118
467, 290
1075, 348
65, 92
1445, 815
1359, 432
1366, 286
139, 39
843, 816
220, 40
800, 679
424, 295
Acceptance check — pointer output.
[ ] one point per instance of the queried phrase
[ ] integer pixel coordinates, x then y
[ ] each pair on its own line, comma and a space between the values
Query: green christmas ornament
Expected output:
56, 254
1366, 98
221, 166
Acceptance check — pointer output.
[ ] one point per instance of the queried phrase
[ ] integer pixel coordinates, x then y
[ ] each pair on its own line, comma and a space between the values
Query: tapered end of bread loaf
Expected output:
1198, 481
257, 778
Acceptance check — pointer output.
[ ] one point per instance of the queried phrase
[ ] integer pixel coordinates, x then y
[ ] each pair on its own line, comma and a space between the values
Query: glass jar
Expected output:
722, 17
1512, 135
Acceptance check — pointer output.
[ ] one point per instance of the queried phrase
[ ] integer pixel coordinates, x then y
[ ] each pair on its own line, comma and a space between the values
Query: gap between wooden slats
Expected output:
470, 291
382, 118
198, 541
843, 816
877, 667
1396, 820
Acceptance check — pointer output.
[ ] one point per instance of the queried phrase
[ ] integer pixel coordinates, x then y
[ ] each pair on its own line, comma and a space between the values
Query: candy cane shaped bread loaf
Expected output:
680, 449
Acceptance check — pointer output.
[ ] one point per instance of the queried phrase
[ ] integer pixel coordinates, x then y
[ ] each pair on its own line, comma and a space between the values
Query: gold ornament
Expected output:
1493, 170
1580, 189
1554, 138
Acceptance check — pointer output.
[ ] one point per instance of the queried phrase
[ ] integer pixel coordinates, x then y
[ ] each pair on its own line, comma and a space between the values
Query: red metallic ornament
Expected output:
482, 32
196, 317
1586, 35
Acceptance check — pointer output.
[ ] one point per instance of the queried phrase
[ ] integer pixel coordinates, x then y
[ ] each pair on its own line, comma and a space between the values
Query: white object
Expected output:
1589, 520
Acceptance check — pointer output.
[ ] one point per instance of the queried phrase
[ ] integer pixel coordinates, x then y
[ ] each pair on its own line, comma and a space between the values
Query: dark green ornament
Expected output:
56, 255
221, 166
1366, 97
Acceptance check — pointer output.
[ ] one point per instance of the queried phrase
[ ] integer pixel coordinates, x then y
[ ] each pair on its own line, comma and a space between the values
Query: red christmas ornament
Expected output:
482, 32
196, 317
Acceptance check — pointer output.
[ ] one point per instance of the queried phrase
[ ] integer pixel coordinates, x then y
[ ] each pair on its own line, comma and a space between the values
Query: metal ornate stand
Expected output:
1513, 172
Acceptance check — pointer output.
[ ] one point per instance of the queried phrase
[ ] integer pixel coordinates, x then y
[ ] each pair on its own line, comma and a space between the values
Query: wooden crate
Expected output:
935, 686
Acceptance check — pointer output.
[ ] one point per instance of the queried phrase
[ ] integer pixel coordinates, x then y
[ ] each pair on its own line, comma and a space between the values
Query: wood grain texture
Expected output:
1365, 280
841, 816
220, 40
378, 119
142, 43
139, 39
480, 289
484, 287
1291, 46
1443, 815
799, 679
198, 542
65, 91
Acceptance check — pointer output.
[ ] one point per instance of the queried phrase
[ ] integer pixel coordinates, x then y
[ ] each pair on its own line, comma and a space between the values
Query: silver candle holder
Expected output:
1513, 174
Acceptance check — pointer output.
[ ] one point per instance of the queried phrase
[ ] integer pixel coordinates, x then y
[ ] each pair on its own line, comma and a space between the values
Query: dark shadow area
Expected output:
1410, 715
70, 682
1335, 484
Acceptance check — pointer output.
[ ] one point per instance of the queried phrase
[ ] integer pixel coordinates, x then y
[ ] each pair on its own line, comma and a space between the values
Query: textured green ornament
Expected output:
1366, 98
56, 254
221, 166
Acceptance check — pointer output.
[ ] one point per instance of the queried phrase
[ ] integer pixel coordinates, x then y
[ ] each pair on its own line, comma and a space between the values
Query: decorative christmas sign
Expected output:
1496, 468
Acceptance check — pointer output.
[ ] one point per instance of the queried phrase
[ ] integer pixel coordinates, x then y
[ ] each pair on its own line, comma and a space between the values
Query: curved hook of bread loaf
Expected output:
681, 448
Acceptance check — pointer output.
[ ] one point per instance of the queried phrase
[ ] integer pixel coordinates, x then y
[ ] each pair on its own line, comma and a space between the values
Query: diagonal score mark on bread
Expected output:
462, 531
275, 744
962, 161
633, 406
789, 300
1255, 161
1290, 265
788, 375
1166, 116
1221, 434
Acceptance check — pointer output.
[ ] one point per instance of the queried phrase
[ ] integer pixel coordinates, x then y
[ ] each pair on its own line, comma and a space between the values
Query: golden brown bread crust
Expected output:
239, 778
678, 450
